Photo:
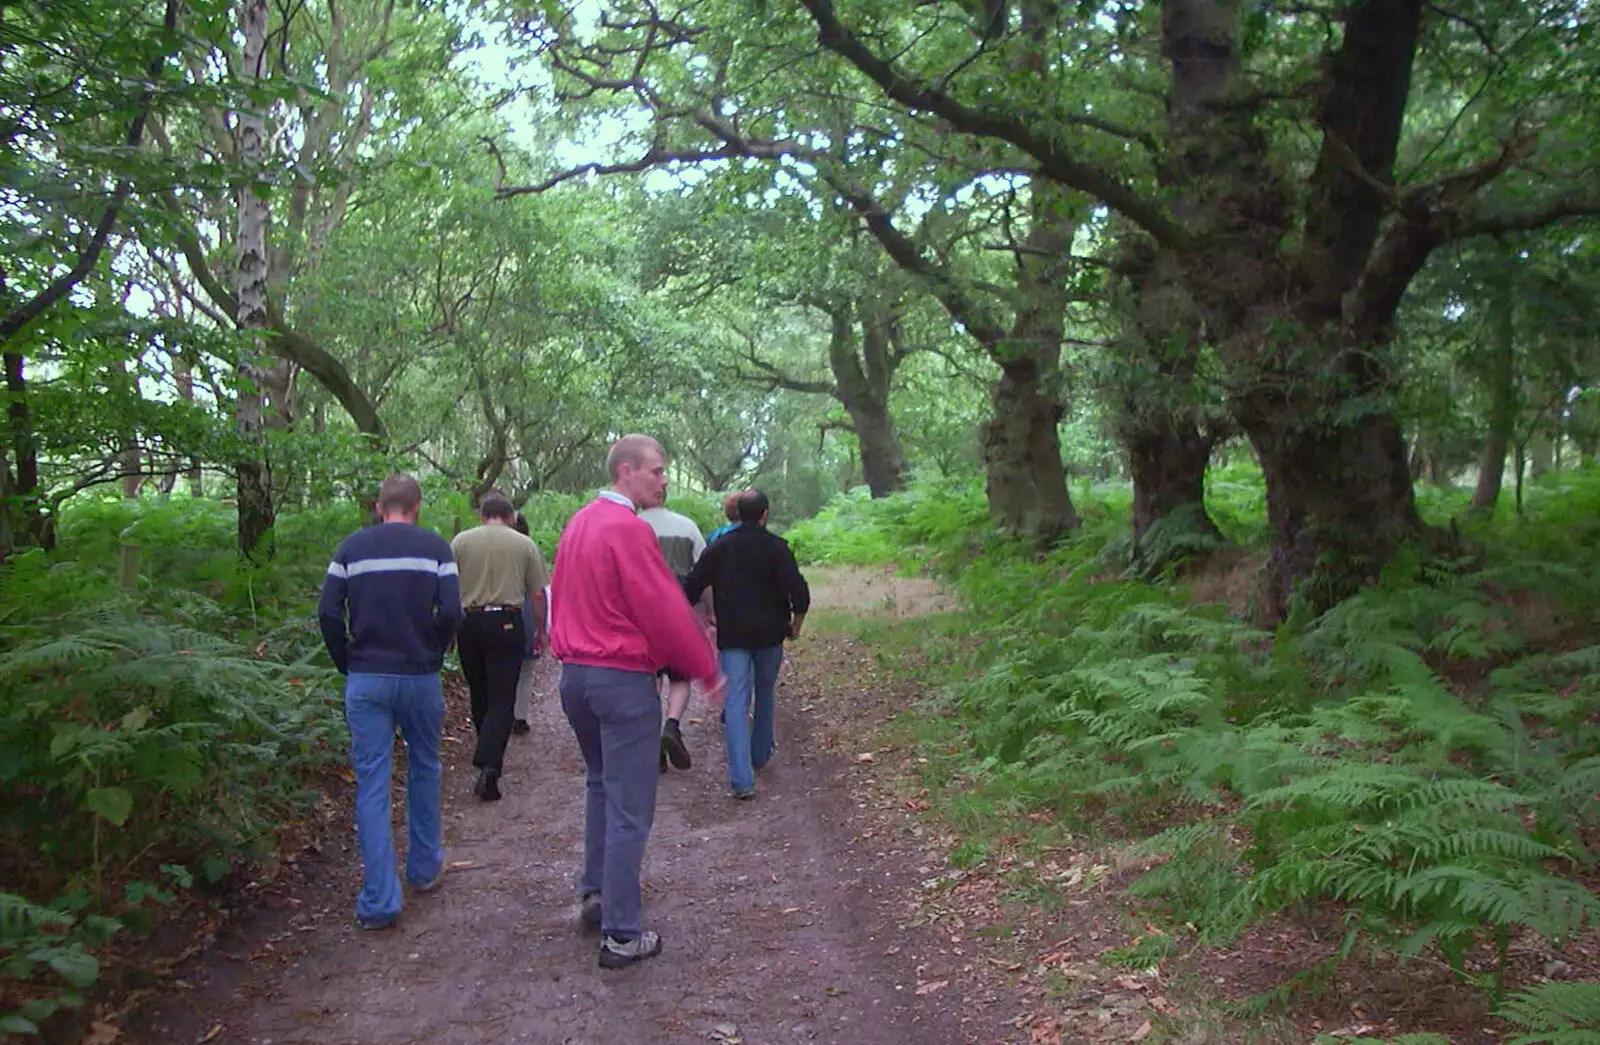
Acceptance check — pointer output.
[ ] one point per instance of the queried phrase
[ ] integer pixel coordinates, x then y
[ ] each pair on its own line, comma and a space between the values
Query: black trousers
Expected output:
491, 644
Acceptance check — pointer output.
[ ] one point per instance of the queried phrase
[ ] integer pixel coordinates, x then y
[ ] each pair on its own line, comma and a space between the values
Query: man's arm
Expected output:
699, 578
447, 613
537, 578
667, 621
331, 610
799, 593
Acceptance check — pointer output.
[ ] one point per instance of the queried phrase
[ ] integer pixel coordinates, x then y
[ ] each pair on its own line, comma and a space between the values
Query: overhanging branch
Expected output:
1438, 212
908, 256
1054, 160
654, 157
1528, 221
286, 342
23, 315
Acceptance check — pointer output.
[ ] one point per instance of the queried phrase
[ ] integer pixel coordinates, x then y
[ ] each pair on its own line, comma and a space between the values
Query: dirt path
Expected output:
774, 918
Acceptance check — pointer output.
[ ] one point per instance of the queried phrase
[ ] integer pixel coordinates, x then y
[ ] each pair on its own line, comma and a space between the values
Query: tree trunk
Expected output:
129, 459
498, 453
1501, 377
183, 374
1541, 454
883, 465
1522, 468
34, 526
862, 382
283, 404
1301, 316
1432, 473
256, 515
1025, 481
1339, 505
132, 478
1158, 424
1168, 462
489, 472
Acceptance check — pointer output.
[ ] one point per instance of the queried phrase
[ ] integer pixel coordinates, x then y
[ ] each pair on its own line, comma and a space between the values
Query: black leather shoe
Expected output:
487, 786
673, 747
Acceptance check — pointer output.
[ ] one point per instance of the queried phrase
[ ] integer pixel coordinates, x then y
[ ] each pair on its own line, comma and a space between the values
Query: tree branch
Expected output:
1453, 190
1435, 213
1528, 221
23, 315
1361, 109
287, 343
1056, 162
908, 256
655, 157
773, 377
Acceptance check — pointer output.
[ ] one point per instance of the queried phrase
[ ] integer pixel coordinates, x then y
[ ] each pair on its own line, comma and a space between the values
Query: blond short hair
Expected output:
630, 450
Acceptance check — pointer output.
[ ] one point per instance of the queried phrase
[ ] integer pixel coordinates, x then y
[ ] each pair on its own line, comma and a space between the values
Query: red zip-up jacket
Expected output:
615, 603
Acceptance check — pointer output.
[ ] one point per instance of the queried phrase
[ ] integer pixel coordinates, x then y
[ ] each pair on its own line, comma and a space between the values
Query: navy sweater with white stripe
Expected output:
390, 602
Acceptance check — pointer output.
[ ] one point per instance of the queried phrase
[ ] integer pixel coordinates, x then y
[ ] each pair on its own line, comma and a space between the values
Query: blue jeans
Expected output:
374, 705
751, 674
616, 716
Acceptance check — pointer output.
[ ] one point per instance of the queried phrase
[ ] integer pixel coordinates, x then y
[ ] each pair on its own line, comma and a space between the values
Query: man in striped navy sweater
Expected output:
390, 606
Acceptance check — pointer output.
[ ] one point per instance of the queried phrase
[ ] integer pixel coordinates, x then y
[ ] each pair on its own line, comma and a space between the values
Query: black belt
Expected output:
494, 609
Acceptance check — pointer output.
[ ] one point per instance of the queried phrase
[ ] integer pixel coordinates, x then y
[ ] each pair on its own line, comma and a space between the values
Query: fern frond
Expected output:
1558, 1013
21, 917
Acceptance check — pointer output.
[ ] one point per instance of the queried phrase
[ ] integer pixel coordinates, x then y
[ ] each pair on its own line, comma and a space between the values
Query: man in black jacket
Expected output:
759, 599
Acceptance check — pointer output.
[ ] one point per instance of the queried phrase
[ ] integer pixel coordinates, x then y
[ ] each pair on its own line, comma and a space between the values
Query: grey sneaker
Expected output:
614, 953
430, 885
589, 912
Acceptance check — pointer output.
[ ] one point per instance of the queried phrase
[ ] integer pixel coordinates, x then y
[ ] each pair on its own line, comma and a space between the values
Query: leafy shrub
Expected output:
148, 737
48, 943
941, 519
1557, 1014
1419, 760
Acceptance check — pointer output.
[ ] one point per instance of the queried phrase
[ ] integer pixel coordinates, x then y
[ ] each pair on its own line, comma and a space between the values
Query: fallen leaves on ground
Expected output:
101, 1033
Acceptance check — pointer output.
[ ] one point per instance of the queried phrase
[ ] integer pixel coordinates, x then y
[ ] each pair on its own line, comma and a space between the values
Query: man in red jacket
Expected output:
619, 616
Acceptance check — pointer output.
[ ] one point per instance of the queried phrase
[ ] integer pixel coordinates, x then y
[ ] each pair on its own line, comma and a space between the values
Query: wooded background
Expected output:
255, 248
1079, 295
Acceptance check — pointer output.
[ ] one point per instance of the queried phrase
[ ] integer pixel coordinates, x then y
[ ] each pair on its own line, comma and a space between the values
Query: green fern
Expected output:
1556, 1014
1339, 762
21, 917
1404, 1039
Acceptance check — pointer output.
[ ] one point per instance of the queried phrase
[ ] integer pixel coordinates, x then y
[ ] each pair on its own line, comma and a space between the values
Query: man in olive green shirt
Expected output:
500, 569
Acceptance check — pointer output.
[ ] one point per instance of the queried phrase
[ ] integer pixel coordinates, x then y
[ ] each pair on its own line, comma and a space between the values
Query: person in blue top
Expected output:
730, 509
390, 606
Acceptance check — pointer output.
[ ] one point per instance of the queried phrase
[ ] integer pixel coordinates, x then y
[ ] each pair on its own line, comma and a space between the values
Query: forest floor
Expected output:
857, 901
784, 920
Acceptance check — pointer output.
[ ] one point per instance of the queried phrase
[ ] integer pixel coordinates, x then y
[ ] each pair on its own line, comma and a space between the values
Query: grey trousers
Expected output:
616, 716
